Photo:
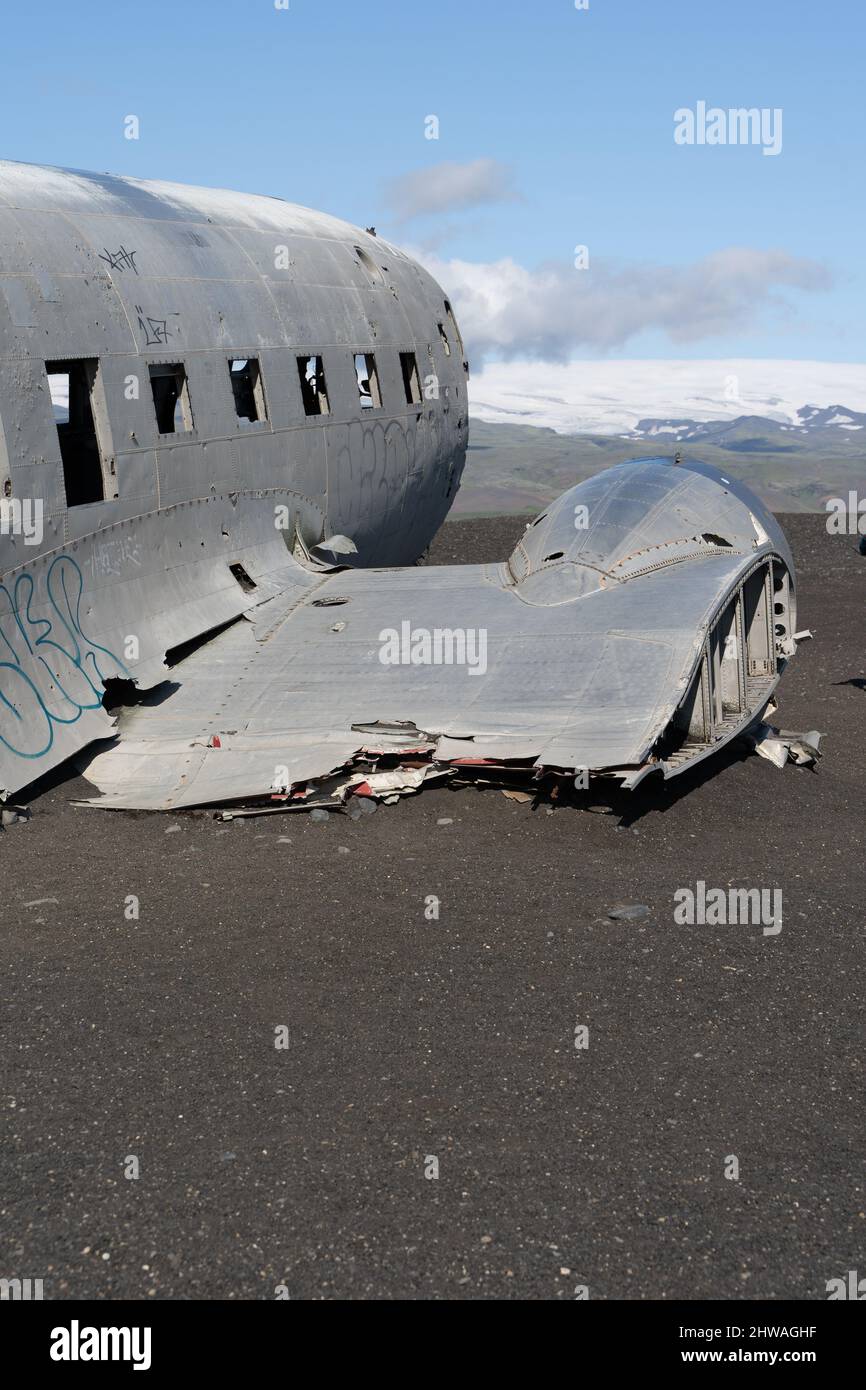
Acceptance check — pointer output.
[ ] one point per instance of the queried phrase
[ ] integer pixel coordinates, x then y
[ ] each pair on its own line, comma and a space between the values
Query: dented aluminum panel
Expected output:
114, 284
594, 648
230, 512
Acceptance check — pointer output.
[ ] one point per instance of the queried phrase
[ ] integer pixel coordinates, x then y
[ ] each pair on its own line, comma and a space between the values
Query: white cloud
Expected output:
553, 311
449, 187
611, 397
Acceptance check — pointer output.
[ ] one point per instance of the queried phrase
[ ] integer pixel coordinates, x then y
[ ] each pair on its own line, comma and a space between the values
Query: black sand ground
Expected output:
410, 1039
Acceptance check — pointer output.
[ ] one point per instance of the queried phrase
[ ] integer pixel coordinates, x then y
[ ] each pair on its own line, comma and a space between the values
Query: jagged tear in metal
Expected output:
641, 643
642, 621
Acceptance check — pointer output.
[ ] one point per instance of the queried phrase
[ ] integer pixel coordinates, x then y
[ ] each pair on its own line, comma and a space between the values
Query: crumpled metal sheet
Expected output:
284, 689
591, 641
781, 745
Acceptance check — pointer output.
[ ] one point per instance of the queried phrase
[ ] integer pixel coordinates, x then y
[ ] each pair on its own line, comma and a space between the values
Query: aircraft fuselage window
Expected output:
368, 381
171, 397
313, 389
71, 387
248, 389
445, 343
411, 380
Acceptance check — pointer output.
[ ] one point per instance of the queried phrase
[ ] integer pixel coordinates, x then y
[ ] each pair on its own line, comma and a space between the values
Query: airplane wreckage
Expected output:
229, 429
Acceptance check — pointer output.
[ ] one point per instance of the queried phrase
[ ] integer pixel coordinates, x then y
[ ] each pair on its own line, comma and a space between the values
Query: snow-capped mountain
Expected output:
812, 417
752, 432
621, 397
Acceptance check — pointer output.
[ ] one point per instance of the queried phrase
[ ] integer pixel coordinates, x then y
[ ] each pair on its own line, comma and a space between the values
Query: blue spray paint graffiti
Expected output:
56, 671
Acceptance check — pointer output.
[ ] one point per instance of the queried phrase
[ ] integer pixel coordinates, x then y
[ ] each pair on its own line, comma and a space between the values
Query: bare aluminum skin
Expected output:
643, 620
588, 654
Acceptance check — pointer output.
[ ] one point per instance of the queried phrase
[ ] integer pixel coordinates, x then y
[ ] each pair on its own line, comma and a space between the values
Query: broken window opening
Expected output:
71, 387
313, 389
248, 389
5, 464
444, 336
171, 401
411, 379
368, 381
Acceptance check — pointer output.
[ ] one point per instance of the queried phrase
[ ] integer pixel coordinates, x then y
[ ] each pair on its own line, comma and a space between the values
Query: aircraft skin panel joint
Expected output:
229, 428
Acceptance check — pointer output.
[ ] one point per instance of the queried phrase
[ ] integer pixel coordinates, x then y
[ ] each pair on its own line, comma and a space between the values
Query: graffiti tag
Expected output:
155, 330
52, 671
120, 259
112, 557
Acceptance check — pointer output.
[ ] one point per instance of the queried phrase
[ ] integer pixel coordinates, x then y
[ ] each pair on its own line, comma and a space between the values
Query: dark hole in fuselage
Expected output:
240, 574
76, 431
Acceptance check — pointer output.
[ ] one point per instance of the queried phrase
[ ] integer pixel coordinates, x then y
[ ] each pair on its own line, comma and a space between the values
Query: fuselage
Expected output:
193, 382
139, 297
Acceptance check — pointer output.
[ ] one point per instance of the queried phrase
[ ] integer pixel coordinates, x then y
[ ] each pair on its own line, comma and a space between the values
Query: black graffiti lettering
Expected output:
120, 259
155, 330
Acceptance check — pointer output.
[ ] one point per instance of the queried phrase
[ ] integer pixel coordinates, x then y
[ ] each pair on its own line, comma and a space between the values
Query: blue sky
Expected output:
563, 117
